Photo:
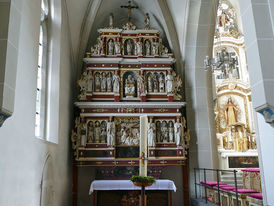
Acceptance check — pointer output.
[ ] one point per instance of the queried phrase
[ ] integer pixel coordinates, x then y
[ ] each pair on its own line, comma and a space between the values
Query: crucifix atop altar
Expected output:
129, 7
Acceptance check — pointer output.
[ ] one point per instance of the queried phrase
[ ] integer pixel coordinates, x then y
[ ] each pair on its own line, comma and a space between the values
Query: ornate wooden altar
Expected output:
129, 72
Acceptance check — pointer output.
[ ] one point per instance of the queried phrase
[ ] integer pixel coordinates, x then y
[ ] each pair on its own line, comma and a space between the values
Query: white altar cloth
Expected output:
128, 185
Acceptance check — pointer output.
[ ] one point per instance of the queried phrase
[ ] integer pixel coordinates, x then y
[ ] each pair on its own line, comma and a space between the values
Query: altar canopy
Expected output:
128, 185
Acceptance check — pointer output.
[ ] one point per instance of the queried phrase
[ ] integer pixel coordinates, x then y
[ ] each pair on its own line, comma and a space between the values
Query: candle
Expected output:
143, 146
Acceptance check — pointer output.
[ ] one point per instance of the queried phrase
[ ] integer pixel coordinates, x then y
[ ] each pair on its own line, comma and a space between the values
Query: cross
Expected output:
129, 7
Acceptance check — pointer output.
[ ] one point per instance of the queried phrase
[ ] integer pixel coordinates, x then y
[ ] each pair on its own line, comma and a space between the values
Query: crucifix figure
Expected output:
129, 7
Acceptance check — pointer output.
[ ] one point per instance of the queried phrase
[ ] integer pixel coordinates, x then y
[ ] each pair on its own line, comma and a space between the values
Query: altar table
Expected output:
124, 192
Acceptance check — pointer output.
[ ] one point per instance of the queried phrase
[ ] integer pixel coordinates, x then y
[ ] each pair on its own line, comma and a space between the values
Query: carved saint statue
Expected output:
97, 82
89, 81
231, 112
147, 21
103, 134
130, 86
97, 132
117, 46
116, 83
155, 84
83, 84
142, 84
158, 131
110, 47
150, 83
178, 132
155, 49
111, 133
139, 47
151, 133
164, 132
90, 132
109, 82
162, 83
103, 82
129, 47
100, 45
169, 82
171, 131
111, 20
147, 48
83, 132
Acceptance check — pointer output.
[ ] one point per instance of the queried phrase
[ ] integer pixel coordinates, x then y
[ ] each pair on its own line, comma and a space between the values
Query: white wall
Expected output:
22, 154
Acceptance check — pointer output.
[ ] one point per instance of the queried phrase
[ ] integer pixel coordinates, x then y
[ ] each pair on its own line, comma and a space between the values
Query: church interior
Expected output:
136, 103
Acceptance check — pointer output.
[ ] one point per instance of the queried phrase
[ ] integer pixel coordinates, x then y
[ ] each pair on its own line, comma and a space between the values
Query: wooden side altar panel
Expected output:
131, 198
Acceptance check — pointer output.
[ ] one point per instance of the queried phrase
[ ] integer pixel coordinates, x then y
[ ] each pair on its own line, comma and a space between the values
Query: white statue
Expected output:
103, 82
169, 82
124, 136
161, 83
117, 46
83, 82
147, 21
111, 20
178, 132
97, 132
130, 86
164, 132
109, 82
151, 133
83, 133
97, 82
89, 82
100, 46
155, 84
111, 133
150, 83
116, 84
171, 132
142, 84
139, 48
155, 49
129, 47
147, 47
110, 47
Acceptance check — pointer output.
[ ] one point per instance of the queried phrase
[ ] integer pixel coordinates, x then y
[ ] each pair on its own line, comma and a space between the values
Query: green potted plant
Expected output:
144, 181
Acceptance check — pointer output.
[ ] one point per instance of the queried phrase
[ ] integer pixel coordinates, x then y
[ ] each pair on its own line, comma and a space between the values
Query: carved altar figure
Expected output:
231, 112
89, 81
151, 133
83, 82
169, 82
111, 132
150, 83
142, 83
109, 82
75, 140
171, 131
155, 84
130, 86
83, 133
139, 48
97, 82
178, 131
158, 131
90, 132
110, 47
111, 20
161, 83
164, 132
97, 132
100, 46
116, 83
147, 48
103, 133
155, 49
103, 82
129, 47
147, 21
117, 46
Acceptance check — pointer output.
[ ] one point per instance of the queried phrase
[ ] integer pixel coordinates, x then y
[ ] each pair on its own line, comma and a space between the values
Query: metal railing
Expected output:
202, 171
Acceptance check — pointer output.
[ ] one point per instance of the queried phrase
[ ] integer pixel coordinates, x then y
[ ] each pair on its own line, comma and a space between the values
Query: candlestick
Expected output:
143, 146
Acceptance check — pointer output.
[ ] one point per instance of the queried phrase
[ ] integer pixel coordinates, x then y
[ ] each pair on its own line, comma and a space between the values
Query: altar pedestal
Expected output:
123, 192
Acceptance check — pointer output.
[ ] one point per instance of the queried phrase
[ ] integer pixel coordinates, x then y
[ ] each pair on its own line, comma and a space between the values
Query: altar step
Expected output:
228, 178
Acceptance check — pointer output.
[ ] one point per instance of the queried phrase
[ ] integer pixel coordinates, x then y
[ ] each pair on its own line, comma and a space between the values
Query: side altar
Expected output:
128, 74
